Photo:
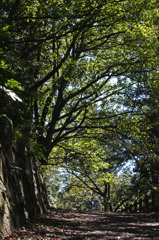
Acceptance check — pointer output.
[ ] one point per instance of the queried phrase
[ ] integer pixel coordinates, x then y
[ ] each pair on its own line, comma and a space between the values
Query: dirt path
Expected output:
73, 225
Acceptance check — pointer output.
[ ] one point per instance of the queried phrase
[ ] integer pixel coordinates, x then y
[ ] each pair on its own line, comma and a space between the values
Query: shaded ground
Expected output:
74, 225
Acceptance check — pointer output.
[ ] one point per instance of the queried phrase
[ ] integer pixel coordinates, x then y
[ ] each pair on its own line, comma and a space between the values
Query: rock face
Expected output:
22, 191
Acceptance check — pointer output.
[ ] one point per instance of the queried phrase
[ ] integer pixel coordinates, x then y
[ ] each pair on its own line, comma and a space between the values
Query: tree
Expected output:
142, 129
67, 58
9, 91
83, 68
148, 156
93, 167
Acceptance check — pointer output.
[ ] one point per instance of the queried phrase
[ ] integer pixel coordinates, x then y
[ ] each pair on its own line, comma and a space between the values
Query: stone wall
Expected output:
22, 191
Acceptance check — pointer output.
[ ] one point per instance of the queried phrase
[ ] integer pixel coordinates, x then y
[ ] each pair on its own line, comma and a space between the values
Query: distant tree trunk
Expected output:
105, 204
155, 183
106, 198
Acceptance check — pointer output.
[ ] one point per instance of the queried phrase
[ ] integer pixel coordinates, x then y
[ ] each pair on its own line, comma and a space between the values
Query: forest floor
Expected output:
75, 225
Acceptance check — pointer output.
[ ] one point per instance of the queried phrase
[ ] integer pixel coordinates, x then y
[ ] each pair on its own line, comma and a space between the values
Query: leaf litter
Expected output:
60, 224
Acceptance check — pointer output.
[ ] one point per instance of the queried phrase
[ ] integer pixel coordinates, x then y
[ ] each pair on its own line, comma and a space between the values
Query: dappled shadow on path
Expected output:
75, 225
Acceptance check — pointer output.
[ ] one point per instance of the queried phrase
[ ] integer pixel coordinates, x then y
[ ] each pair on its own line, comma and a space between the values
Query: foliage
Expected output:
69, 56
92, 172
79, 80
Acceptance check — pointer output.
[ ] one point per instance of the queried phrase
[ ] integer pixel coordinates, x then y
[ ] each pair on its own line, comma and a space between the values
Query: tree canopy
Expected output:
84, 74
